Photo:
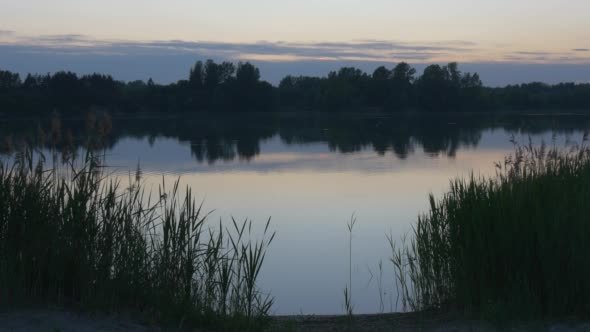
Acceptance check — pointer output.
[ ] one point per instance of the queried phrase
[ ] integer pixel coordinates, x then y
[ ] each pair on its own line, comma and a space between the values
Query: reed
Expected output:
348, 303
511, 246
75, 237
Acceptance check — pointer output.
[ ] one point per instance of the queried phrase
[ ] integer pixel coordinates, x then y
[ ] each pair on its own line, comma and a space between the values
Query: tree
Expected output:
246, 90
402, 78
217, 74
196, 75
433, 88
345, 88
380, 87
471, 91
9, 80
454, 74
247, 74
301, 92
403, 73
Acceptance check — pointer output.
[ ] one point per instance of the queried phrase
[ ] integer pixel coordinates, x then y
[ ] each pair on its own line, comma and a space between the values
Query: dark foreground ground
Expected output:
54, 320
414, 322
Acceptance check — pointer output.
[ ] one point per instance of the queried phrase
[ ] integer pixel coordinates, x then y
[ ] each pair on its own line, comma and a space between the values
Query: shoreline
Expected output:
63, 320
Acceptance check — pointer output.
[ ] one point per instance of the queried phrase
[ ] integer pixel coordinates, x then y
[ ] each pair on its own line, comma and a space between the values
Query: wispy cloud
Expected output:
363, 50
281, 51
534, 53
572, 56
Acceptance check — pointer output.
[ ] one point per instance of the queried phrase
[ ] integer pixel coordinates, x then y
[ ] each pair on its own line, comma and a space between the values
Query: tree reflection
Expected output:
215, 139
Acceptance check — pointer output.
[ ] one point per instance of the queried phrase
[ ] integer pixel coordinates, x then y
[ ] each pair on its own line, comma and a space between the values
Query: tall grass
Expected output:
348, 304
73, 236
515, 245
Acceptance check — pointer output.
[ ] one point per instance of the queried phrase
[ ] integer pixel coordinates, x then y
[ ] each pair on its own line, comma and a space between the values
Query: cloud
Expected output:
532, 53
544, 57
365, 50
368, 50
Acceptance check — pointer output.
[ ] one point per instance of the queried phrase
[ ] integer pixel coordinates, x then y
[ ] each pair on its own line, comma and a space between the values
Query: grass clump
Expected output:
73, 236
511, 246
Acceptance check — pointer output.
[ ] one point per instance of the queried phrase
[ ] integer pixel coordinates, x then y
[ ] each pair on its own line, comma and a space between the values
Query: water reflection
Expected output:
230, 137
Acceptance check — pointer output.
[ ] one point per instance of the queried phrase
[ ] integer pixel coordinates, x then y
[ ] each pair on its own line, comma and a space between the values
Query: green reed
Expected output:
72, 236
511, 246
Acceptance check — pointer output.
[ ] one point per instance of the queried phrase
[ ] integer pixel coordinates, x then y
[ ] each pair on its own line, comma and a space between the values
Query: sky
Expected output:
509, 41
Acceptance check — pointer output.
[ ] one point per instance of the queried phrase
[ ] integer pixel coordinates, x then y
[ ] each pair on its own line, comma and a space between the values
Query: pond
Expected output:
311, 174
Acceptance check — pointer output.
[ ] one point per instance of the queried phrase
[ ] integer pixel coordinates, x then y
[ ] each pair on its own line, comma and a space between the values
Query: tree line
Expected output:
225, 86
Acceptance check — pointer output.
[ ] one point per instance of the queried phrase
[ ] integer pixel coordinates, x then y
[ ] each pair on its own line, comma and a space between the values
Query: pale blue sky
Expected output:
419, 31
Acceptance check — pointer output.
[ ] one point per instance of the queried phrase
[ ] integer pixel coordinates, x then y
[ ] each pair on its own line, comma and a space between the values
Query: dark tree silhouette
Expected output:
223, 86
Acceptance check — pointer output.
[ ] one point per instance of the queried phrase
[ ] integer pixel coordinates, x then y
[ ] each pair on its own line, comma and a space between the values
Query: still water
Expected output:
310, 174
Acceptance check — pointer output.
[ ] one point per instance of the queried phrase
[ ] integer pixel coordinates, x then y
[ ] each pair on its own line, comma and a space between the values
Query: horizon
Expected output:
167, 69
506, 42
